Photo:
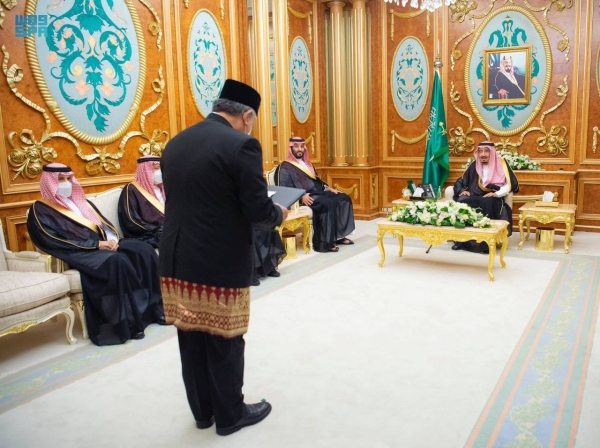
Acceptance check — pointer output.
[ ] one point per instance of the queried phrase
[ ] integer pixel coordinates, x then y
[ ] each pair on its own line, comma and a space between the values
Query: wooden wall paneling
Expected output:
410, 141
590, 138
303, 19
394, 181
567, 19
114, 161
588, 199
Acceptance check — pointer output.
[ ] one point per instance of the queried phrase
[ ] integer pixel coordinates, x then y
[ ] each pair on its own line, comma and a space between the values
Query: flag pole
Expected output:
438, 64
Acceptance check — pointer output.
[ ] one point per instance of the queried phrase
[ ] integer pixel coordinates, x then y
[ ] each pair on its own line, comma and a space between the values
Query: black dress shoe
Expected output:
136, 334
457, 246
274, 274
255, 281
205, 424
161, 320
253, 413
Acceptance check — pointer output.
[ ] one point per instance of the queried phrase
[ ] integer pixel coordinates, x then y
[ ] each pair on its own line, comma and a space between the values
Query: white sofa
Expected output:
29, 293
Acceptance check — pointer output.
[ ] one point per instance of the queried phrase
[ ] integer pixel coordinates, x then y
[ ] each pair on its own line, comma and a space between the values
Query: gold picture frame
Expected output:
507, 76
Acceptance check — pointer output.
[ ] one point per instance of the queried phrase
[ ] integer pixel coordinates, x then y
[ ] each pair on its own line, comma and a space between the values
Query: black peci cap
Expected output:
240, 93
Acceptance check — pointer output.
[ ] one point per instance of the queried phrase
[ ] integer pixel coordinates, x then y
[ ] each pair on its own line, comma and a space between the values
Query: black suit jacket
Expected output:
215, 192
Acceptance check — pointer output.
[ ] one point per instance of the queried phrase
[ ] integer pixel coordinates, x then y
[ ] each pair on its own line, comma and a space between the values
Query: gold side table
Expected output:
295, 219
435, 235
563, 213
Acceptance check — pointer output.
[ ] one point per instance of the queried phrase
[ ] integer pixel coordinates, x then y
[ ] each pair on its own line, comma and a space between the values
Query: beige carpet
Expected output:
354, 355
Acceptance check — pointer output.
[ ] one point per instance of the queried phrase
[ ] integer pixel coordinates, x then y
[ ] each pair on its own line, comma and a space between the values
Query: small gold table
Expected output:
563, 213
296, 218
435, 236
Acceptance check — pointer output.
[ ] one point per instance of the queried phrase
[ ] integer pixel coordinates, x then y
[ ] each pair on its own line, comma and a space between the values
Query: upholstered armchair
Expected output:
449, 196
294, 219
29, 293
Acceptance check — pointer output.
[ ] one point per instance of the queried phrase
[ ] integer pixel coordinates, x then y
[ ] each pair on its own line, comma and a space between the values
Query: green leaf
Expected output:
93, 62
103, 109
90, 110
90, 22
100, 123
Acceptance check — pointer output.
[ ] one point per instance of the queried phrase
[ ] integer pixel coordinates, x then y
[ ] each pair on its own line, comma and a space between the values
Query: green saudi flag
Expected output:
436, 166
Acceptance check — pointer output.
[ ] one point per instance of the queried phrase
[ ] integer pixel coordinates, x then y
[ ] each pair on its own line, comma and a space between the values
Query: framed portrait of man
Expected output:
507, 76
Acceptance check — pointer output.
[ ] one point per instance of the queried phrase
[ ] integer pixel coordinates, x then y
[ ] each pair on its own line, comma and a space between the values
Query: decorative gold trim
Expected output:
180, 71
155, 144
407, 15
598, 69
547, 80
233, 41
374, 190
187, 50
155, 27
408, 141
563, 45
32, 57
428, 77
20, 328
456, 53
222, 8
186, 3
348, 191
596, 132
301, 15
170, 57
311, 139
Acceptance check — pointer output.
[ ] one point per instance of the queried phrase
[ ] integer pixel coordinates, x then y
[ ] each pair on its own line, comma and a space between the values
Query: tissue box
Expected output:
546, 204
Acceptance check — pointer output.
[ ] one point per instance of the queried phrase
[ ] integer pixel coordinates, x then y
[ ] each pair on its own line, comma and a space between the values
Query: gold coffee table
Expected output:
563, 213
295, 219
435, 236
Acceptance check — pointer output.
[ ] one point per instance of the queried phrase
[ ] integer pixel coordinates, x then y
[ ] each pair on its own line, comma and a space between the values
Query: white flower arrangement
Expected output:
447, 214
515, 160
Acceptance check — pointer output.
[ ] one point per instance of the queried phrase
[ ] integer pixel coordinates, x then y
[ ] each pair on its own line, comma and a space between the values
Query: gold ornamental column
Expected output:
360, 78
260, 52
282, 77
339, 104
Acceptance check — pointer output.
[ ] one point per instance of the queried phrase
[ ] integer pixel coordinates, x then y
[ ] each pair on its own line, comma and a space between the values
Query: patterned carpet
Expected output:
537, 399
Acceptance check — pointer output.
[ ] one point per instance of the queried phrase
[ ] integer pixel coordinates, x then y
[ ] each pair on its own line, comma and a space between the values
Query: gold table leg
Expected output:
491, 256
521, 231
568, 231
400, 245
380, 234
503, 248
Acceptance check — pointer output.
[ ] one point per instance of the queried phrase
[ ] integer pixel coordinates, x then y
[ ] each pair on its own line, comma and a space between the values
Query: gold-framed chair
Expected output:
29, 293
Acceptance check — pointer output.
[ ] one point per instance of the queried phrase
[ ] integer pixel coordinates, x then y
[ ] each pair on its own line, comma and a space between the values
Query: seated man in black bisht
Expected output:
333, 214
484, 185
142, 203
268, 254
119, 277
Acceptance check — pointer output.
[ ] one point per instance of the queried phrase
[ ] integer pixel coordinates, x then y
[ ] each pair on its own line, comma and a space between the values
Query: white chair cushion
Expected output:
108, 203
74, 280
22, 291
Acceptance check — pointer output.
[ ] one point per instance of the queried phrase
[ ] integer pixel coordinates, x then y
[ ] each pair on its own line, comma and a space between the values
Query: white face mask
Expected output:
158, 177
65, 189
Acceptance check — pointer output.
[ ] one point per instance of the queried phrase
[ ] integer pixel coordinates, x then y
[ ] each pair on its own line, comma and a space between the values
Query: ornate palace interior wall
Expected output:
97, 84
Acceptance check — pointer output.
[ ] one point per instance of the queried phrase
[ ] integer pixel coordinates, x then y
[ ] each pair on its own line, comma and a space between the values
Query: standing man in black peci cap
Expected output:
215, 193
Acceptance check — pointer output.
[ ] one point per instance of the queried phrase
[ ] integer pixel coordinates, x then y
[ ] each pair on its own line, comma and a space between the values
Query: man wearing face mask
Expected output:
216, 193
142, 203
119, 277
